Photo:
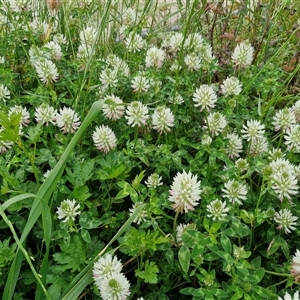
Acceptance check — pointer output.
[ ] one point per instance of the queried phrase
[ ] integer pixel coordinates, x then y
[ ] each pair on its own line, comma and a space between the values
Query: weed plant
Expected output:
149, 150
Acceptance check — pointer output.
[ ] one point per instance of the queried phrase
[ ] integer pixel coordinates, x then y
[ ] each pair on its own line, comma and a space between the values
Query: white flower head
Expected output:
284, 184
216, 122
284, 119
68, 210
129, 16
234, 145
194, 42
114, 287
109, 77
193, 62
59, 38
292, 138
45, 114
140, 84
235, 191
177, 99
113, 107
4, 93
258, 146
136, 114
155, 57
142, 215
205, 97
217, 210
287, 296
242, 164
253, 130
180, 230
185, 192
4, 144
17, 109
231, 86
104, 138
88, 36
67, 120
153, 181
46, 71
162, 119
134, 42
106, 266
295, 267
54, 50
285, 220
242, 55
84, 52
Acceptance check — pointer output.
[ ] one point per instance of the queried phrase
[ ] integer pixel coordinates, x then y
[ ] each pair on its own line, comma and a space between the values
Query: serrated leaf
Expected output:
81, 172
149, 274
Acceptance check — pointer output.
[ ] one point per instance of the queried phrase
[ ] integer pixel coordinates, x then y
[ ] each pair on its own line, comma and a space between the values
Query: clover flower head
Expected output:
234, 145
140, 84
287, 296
88, 36
205, 97
109, 77
4, 93
162, 119
134, 42
136, 114
193, 62
129, 16
275, 153
175, 42
155, 57
142, 215
153, 181
258, 146
106, 266
68, 210
284, 184
194, 42
113, 107
67, 120
4, 144
242, 165
59, 38
177, 99
216, 122
284, 119
235, 191
17, 109
84, 52
292, 138
104, 138
242, 55
285, 220
46, 71
45, 114
54, 49
295, 267
253, 130
217, 210
231, 86
185, 192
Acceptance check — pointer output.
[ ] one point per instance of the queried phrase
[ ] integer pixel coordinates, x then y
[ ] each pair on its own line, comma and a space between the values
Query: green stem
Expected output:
175, 224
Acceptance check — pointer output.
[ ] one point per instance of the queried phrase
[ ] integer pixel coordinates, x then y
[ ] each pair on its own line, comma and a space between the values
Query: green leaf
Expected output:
81, 172
170, 256
85, 235
88, 221
150, 273
81, 193
240, 228
184, 257
220, 294
226, 243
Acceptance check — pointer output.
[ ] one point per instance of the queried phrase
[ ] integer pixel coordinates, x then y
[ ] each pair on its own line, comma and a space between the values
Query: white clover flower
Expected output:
129, 16
185, 192
36, 54
46, 174
175, 42
68, 210
113, 107
2, 58
216, 123
114, 287
45, 114
155, 57
54, 50
253, 130
17, 109
4, 145
193, 62
287, 296
175, 66
59, 38
162, 119
217, 210
258, 146
104, 138
136, 114
241, 164
231, 86
142, 215
153, 181
118, 64
177, 99
292, 138
20, 5
206, 140
106, 266
275, 154
4, 93
284, 119
234, 145
295, 267
235, 191
134, 42
205, 97
281, 165
179, 231
284, 184
140, 84
108, 77
67, 120
38, 27
194, 42
46, 71
242, 55
84, 52
88, 36
207, 56
285, 220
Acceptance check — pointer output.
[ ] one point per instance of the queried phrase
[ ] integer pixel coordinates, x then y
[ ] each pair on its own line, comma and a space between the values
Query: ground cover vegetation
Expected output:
149, 150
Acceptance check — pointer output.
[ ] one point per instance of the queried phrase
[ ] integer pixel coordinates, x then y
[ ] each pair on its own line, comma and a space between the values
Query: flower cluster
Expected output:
68, 210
